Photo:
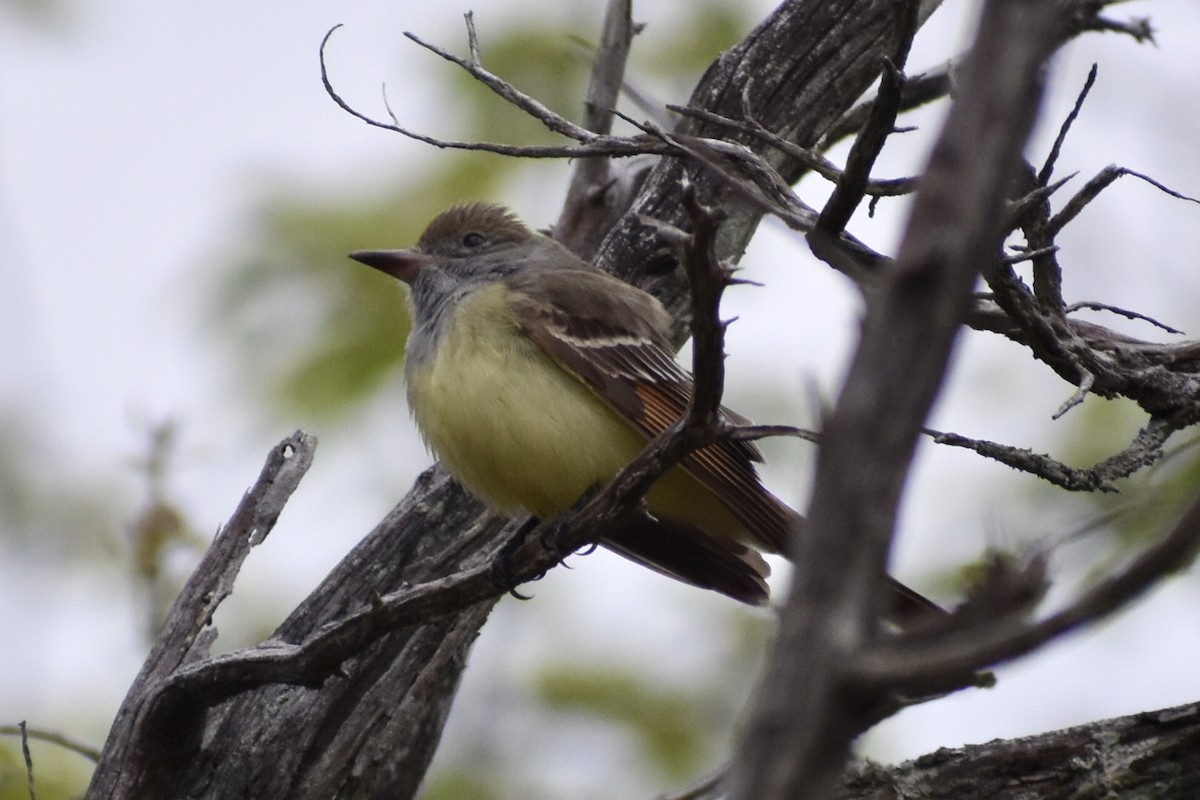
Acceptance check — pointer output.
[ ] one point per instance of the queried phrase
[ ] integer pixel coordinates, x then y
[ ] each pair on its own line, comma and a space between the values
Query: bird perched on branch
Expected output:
535, 377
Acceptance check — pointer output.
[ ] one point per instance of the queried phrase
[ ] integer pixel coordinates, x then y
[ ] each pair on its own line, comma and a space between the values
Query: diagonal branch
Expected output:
589, 144
810, 157
1145, 449
943, 662
1099, 183
868, 440
132, 755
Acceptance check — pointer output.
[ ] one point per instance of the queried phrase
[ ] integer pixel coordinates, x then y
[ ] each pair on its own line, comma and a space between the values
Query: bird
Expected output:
536, 377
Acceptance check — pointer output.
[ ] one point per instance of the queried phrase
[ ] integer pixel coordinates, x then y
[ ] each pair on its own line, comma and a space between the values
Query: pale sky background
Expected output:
134, 140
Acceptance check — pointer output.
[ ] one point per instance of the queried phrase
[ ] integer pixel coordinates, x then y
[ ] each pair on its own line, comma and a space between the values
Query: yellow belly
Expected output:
522, 434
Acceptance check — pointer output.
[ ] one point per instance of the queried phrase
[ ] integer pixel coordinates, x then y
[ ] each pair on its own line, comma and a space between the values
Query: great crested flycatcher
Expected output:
535, 377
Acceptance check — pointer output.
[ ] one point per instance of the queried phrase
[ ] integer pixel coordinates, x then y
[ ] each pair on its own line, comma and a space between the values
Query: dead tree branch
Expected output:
833, 608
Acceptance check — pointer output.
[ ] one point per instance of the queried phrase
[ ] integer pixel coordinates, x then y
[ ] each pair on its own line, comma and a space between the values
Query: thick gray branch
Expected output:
868, 442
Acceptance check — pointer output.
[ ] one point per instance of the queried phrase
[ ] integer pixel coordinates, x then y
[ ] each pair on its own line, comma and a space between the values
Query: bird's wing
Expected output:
613, 338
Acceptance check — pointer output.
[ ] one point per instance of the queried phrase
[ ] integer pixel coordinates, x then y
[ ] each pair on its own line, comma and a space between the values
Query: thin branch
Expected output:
1098, 184
849, 191
65, 742
809, 157
1037, 464
1138, 27
708, 279
1048, 167
28, 762
752, 433
590, 145
1028, 255
1037, 195
1086, 381
472, 39
534, 108
1145, 449
1123, 312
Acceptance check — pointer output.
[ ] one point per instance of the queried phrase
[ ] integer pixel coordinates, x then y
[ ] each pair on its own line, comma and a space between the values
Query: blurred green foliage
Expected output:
57, 773
455, 784
670, 721
1149, 501
48, 508
39, 14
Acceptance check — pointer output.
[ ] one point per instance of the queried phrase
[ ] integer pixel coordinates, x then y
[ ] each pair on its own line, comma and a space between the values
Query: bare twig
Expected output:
1123, 312
534, 108
1027, 255
1037, 195
751, 433
1098, 184
590, 145
1145, 449
1138, 27
1086, 381
708, 279
1048, 167
810, 157
65, 742
472, 40
28, 762
917, 91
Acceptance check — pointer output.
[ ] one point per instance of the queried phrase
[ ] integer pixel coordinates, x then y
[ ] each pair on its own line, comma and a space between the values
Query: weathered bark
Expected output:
1147, 756
796, 74
368, 730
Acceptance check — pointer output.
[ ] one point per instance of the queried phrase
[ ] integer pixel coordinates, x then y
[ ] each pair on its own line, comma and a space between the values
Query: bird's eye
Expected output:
473, 239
